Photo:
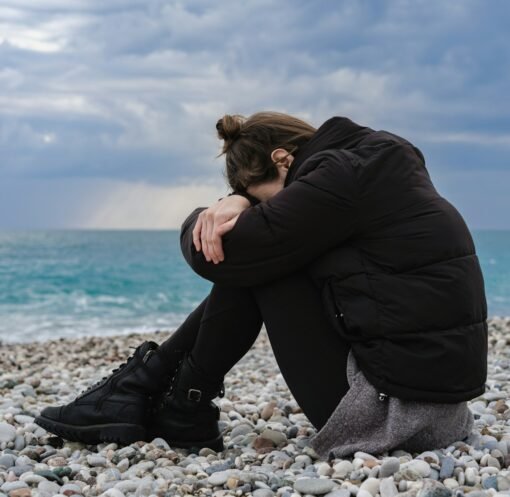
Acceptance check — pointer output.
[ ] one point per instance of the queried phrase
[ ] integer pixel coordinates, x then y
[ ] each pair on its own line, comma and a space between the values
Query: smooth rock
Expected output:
343, 468
113, 492
20, 492
421, 467
314, 486
7, 460
219, 478
12, 485
95, 460
470, 476
387, 487
432, 488
490, 482
263, 492
371, 485
277, 437
49, 487
447, 466
503, 483
389, 467
343, 492
450, 483
7, 432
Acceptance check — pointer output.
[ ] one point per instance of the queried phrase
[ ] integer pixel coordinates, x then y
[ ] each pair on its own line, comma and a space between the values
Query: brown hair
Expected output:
248, 143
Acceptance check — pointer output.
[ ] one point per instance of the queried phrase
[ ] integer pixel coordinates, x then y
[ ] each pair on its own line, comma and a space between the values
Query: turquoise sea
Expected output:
70, 283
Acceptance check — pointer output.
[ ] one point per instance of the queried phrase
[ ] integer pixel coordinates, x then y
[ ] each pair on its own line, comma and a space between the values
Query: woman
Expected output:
365, 277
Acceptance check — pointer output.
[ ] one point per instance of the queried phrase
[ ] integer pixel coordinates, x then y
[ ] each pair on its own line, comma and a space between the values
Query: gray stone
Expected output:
314, 486
8, 486
447, 466
128, 452
219, 478
432, 488
126, 486
95, 460
112, 492
421, 467
23, 419
7, 460
343, 492
478, 493
387, 488
241, 429
371, 485
71, 486
49, 487
503, 483
406, 474
389, 466
161, 443
277, 437
19, 470
263, 492
7, 432
343, 468
490, 482
19, 442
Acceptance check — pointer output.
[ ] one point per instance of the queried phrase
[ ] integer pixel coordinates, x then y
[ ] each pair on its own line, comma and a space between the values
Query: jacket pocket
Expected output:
355, 308
337, 314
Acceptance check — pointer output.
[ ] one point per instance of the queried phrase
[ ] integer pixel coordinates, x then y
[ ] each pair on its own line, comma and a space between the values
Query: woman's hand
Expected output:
214, 222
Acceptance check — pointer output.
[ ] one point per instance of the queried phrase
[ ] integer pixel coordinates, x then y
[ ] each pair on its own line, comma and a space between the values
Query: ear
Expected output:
278, 154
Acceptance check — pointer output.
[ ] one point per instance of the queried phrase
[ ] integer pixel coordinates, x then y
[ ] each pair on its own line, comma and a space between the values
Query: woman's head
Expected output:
256, 146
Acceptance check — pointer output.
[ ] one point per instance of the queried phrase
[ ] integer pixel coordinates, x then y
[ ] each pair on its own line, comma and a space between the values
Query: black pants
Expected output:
311, 355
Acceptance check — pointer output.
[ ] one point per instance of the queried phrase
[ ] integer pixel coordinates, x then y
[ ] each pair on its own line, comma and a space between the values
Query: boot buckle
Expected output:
194, 394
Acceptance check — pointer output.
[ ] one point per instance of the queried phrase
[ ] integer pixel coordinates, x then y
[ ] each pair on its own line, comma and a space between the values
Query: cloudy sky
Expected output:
107, 108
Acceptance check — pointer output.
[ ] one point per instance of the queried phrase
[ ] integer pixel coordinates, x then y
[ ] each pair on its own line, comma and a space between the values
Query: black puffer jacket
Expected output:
394, 260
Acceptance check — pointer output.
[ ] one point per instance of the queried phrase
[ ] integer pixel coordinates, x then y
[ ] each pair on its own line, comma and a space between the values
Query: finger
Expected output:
203, 238
216, 245
210, 240
225, 227
196, 233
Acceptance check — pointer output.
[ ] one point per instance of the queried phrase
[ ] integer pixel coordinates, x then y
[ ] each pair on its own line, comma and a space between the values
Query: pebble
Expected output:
218, 478
267, 437
7, 433
8, 486
371, 485
389, 466
418, 466
263, 492
343, 492
314, 486
95, 460
277, 437
432, 488
342, 469
447, 465
387, 487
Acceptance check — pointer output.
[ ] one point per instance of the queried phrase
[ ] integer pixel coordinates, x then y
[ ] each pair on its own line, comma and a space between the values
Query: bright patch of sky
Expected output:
107, 109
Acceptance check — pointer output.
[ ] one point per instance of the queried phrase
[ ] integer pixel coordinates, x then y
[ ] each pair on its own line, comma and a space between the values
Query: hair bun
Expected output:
229, 127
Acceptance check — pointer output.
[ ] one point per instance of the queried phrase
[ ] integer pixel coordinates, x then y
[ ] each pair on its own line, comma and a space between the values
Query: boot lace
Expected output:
103, 380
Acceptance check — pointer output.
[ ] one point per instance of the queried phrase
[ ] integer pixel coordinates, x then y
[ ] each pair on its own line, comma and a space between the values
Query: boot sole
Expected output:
122, 433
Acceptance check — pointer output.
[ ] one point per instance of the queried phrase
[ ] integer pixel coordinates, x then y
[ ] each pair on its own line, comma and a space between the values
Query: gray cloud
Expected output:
130, 90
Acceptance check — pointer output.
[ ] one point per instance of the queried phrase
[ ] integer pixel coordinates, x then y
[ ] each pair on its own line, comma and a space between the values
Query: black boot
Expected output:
186, 417
115, 408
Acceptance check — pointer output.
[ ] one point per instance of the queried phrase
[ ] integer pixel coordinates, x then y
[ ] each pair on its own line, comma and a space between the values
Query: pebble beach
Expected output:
265, 433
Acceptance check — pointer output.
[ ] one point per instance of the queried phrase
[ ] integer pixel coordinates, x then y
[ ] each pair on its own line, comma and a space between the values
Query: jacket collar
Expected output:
336, 132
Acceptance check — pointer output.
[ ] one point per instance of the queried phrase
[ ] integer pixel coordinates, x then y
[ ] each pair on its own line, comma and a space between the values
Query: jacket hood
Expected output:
336, 132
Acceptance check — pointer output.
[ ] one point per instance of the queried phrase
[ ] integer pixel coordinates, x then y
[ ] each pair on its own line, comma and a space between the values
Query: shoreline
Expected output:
265, 432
